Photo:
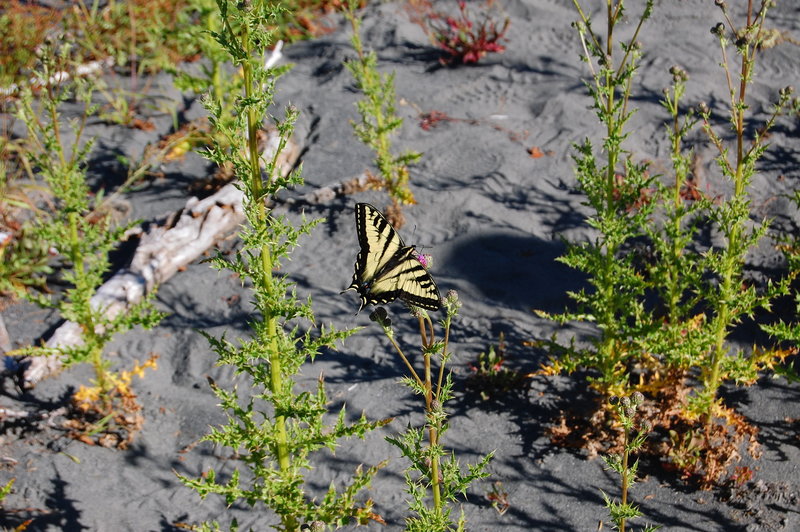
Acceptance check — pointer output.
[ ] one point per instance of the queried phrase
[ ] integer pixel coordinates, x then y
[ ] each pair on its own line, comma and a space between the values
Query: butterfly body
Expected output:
386, 269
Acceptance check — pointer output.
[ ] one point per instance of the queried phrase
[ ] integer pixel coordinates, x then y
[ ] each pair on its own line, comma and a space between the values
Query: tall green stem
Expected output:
83, 290
625, 476
256, 192
732, 260
433, 435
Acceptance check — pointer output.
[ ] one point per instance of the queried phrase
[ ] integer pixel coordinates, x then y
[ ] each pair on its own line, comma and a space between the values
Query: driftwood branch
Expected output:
5, 340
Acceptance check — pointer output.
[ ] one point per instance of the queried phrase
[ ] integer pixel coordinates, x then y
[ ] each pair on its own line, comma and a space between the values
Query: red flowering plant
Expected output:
464, 39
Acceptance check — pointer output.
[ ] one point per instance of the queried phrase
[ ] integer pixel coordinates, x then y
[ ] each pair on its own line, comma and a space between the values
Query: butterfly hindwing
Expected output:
386, 269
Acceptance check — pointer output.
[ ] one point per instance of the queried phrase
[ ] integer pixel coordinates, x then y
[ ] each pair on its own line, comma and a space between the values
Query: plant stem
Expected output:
444, 355
625, 479
609, 338
431, 409
370, 84
83, 288
433, 435
217, 84
257, 191
732, 261
405, 360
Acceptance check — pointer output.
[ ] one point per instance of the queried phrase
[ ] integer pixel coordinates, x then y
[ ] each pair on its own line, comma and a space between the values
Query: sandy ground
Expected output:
493, 217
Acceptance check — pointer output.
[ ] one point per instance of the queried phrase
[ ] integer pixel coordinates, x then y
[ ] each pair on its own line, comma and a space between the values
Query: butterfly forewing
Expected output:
379, 242
386, 269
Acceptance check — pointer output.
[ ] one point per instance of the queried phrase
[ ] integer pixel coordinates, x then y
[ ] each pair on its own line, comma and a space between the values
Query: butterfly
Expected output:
386, 269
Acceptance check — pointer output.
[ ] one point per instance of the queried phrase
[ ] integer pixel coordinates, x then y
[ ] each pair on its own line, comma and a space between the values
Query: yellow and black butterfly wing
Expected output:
386, 269
406, 278
379, 243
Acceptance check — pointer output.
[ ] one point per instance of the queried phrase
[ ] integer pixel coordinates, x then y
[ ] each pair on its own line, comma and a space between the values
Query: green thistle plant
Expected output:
668, 313
434, 476
732, 299
634, 437
702, 292
83, 234
618, 192
212, 77
378, 120
788, 333
272, 427
676, 270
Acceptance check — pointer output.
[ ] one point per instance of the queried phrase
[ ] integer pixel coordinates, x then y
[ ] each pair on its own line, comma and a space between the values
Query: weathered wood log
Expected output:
31, 416
5, 340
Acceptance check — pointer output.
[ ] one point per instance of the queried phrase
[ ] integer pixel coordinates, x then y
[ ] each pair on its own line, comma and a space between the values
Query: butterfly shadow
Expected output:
513, 271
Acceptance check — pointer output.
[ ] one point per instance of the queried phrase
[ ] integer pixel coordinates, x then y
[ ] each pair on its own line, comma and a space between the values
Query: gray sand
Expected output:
493, 217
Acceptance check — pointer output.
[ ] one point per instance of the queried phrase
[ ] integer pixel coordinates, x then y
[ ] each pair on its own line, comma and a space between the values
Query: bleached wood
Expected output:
5, 340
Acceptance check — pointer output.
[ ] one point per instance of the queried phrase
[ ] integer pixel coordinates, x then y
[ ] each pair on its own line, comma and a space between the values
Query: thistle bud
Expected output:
637, 398
678, 74
718, 30
452, 303
741, 41
381, 317
721, 4
625, 402
613, 400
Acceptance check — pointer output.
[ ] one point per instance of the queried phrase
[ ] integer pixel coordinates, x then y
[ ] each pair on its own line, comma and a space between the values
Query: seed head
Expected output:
381, 317
741, 41
637, 398
452, 303
678, 74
